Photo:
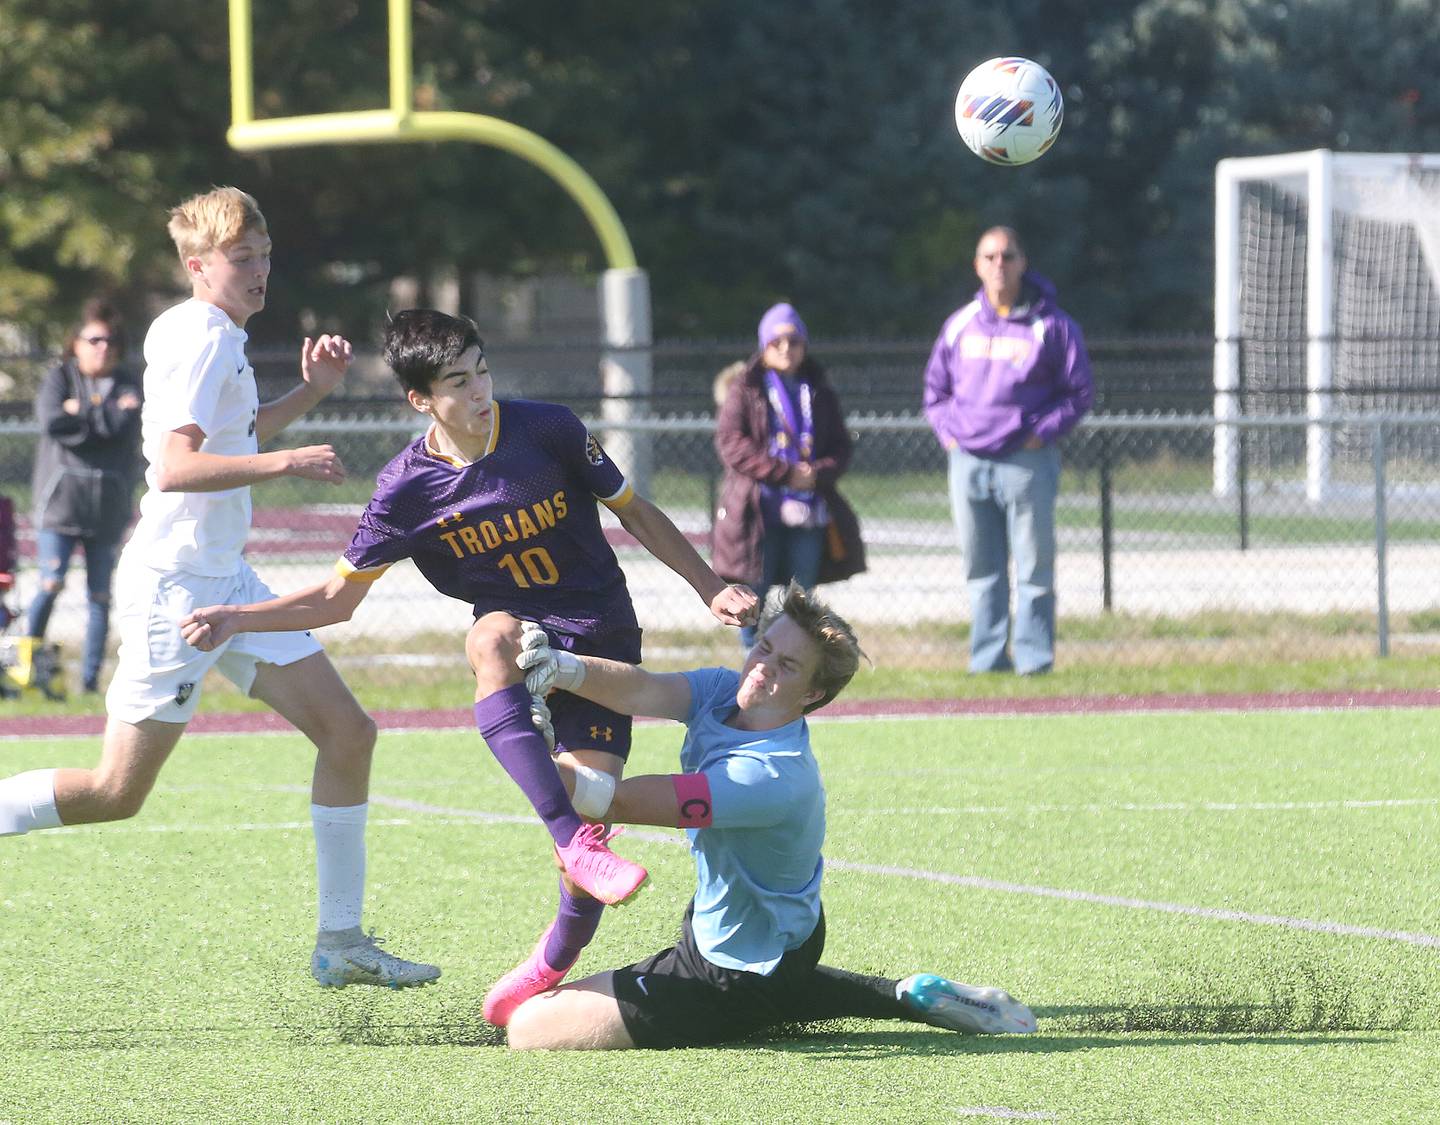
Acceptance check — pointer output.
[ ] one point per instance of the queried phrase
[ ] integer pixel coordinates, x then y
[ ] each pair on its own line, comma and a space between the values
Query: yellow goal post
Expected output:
624, 291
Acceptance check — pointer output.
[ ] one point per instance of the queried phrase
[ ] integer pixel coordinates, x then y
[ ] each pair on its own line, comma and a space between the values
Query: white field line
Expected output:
976, 882
1159, 806
273, 826
1341, 929
1002, 1112
1105, 809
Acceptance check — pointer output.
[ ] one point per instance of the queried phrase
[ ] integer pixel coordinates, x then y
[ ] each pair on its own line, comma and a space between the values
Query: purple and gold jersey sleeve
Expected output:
377, 543
579, 450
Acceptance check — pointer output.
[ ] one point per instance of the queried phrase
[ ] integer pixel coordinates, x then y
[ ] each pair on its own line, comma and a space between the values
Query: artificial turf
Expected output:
1216, 917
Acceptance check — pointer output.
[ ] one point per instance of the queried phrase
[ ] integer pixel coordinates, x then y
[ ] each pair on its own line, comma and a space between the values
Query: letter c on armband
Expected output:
692, 791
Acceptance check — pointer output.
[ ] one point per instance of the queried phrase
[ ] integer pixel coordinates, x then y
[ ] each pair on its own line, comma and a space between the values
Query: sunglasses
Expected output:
786, 341
96, 341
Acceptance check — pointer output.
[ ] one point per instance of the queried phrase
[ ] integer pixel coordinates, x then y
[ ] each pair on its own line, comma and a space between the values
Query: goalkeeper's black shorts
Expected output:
676, 998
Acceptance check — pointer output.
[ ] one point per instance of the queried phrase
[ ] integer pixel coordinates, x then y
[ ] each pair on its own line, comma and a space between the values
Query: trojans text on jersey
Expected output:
508, 527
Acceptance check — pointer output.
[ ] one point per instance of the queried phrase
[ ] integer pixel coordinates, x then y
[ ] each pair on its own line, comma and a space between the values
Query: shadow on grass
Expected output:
360, 1025
850, 1045
1223, 1019
1286, 1006
351, 1032
358, 1018
1297, 996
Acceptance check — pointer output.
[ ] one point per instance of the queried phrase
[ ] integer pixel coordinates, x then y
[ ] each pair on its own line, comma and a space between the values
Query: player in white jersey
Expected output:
202, 428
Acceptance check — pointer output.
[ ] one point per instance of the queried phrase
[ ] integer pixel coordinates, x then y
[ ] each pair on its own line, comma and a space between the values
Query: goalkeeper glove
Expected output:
545, 669
540, 717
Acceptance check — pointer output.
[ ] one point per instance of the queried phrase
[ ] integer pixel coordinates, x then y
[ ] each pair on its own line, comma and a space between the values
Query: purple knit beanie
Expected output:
777, 315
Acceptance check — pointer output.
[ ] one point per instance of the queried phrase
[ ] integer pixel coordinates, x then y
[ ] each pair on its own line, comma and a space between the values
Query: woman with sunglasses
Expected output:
782, 439
86, 469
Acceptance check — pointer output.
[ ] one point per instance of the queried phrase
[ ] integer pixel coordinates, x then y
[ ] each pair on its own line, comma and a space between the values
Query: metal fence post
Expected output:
1382, 597
1107, 524
1242, 485
1242, 457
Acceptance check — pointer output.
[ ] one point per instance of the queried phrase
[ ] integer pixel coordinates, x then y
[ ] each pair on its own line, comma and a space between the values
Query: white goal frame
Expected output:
1311, 175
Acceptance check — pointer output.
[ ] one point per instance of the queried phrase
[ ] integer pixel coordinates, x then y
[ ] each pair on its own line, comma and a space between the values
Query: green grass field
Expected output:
156, 970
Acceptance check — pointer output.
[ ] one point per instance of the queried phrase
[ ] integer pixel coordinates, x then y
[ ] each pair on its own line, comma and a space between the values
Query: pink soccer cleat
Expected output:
529, 978
597, 870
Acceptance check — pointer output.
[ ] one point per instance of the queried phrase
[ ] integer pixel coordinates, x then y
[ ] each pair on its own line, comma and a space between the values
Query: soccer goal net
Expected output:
1327, 301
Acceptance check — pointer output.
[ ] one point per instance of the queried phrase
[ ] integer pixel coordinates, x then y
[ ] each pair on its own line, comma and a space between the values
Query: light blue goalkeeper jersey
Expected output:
758, 864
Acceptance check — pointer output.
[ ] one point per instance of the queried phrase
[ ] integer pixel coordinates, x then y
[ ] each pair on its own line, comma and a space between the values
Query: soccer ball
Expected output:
1009, 111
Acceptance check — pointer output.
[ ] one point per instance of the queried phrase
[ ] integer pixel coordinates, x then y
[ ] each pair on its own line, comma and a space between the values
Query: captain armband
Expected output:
692, 793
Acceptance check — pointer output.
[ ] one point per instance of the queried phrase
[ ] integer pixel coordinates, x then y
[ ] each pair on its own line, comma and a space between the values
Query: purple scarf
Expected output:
792, 439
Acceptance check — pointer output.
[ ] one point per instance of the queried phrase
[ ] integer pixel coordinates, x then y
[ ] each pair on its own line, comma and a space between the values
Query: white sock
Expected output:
27, 802
340, 864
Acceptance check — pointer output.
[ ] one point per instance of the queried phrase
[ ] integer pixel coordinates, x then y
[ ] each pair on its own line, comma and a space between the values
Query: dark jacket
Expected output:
87, 464
742, 439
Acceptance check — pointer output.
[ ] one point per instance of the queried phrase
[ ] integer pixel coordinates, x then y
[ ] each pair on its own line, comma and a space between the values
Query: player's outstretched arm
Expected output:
322, 604
655, 799
323, 363
612, 683
731, 605
633, 691
184, 467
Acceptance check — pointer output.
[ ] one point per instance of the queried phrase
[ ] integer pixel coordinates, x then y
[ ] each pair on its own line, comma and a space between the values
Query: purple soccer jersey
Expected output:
518, 530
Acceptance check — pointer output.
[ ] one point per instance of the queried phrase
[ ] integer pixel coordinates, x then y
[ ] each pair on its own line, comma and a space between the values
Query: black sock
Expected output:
835, 994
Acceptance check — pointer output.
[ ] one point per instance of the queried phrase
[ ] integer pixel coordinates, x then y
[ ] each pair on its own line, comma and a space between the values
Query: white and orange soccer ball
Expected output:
1009, 110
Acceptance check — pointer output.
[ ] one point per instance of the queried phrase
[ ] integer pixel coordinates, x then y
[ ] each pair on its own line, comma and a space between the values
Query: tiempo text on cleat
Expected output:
964, 1007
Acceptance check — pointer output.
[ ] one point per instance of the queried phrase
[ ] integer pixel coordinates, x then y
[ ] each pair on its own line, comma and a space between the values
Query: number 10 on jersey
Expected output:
533, 567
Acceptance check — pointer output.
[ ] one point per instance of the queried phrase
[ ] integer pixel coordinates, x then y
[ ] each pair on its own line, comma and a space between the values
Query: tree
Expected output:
73, 200
807, 155
753, 150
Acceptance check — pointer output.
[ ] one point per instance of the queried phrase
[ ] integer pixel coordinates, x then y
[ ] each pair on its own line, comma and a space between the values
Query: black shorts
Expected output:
580, 724
678, 999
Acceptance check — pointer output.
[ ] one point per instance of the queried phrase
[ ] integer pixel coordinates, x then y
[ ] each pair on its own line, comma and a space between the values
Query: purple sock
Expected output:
504, 720
576, 921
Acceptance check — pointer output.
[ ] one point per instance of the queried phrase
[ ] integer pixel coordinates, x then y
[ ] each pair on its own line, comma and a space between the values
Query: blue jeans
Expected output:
786, 553
54, 550
1004, 509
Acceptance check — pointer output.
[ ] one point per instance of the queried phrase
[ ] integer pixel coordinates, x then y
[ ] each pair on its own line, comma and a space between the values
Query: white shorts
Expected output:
158, 675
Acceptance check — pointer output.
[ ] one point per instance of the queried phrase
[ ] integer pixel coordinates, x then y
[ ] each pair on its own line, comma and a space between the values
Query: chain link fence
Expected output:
1156, 564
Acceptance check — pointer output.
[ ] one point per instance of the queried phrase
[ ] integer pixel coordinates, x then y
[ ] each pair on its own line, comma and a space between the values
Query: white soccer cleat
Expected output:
353, 957
964, 1007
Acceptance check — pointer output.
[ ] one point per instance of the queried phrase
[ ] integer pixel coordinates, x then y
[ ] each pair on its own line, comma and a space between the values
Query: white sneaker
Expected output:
352, 957
964, 1007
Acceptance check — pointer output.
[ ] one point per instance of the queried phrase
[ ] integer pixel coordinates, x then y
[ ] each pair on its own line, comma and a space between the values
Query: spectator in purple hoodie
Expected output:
1007, 378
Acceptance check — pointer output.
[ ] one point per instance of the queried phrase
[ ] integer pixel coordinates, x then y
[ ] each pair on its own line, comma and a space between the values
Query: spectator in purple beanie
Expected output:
1007, 378
782, 439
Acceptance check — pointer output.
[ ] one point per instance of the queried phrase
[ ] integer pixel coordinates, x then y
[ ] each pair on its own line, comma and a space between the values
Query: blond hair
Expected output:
832, 635
213, 220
